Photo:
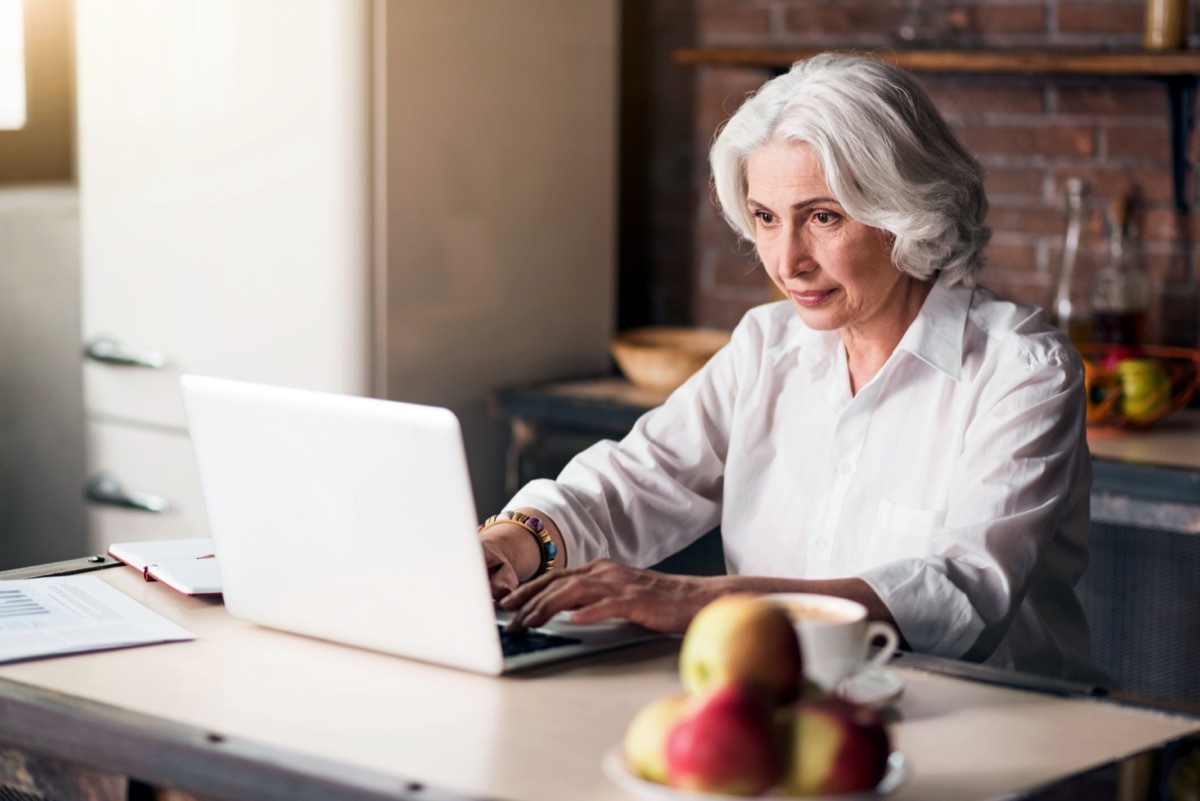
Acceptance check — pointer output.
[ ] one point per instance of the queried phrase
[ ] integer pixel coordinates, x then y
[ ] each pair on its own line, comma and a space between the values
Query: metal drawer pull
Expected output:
105, 489
110, 351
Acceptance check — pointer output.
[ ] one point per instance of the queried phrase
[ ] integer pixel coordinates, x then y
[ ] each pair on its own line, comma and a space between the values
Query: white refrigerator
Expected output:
342, 195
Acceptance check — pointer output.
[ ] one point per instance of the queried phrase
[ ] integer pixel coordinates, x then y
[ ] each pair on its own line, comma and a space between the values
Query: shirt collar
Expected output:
817, 349
935, 336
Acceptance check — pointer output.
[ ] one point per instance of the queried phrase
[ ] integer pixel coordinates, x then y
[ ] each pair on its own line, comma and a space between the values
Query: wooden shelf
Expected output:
1023, 62
1179, 71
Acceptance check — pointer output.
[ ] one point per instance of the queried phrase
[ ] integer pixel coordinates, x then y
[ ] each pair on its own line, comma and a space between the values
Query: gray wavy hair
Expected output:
888, 156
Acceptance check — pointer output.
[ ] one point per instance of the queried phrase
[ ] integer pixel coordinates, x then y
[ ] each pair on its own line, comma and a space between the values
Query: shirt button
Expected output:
844, 468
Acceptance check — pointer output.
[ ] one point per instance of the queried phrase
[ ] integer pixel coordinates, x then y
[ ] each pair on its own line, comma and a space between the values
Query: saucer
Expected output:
877, 687
618, 773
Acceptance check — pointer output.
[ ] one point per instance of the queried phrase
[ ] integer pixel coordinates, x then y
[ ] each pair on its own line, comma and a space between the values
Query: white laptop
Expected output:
352, 519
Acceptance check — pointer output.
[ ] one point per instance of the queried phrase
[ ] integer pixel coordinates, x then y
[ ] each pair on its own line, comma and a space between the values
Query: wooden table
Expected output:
245, 712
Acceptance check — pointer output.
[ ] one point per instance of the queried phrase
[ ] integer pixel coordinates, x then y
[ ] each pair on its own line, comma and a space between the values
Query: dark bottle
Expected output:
1121, 292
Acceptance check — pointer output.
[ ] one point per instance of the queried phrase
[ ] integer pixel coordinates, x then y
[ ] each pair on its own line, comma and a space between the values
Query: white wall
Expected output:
41, 400
496, 214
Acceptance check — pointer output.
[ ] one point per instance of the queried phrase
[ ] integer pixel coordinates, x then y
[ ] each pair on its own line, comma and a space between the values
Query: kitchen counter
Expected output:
1149, 477
1173, 442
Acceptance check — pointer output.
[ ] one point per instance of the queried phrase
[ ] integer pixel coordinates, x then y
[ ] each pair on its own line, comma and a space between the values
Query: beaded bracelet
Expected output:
534, 526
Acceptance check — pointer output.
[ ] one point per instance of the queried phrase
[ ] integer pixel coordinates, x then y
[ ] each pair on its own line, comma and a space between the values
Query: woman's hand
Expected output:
501, 559
603, 589
512, 555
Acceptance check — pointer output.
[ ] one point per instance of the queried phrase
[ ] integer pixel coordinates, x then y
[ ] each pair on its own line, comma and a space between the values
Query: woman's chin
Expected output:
819, 319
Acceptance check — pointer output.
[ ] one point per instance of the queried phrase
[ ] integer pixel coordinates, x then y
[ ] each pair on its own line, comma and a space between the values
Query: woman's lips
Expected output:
810, 298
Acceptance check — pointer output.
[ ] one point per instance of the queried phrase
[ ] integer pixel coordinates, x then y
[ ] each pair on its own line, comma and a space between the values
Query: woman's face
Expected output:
837, 271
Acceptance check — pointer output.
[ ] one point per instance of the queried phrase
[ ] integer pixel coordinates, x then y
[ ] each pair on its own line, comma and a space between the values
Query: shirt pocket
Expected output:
905, 532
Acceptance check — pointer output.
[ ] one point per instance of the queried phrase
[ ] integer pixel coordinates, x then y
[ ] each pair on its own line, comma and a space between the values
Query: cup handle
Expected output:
878, 628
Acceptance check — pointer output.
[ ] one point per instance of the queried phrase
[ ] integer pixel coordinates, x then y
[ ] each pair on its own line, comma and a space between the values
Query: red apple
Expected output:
725, 743
1115, 354
742, 639
645, 742
836, 747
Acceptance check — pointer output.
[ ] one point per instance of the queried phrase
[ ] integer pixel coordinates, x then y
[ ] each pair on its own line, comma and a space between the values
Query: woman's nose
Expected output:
795, 259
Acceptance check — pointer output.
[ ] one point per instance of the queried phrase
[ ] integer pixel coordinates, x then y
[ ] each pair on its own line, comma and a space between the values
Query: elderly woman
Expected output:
891, 433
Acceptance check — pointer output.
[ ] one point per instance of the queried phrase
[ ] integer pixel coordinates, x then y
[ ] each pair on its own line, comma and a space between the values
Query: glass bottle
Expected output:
1071, 306
1166, 24
923, 23
1121, 292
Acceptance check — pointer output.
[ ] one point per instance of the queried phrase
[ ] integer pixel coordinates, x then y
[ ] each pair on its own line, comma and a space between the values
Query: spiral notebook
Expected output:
353, 520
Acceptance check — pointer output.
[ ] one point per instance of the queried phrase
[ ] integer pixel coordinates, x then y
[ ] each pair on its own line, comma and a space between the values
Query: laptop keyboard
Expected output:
527, 641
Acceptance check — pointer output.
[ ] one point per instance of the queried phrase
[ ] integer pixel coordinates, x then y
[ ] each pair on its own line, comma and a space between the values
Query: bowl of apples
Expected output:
746, 723
1136, 387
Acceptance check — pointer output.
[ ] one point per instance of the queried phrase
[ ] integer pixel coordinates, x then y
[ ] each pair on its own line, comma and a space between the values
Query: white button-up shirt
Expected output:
956, 483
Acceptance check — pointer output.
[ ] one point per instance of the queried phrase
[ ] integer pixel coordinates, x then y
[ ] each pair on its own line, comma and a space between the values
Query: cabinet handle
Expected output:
106, 490
109, 351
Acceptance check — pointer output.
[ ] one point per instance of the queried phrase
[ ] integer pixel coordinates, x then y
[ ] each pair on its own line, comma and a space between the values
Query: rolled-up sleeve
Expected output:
1018, 504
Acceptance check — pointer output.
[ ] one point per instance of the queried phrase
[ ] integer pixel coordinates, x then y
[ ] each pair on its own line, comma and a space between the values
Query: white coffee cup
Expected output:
835, 636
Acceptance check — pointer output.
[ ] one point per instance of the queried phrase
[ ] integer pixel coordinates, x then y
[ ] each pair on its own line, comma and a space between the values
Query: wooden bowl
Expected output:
663, 357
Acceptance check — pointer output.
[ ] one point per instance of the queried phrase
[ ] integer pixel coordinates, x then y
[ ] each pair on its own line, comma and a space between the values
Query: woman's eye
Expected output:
825, 217
764, 217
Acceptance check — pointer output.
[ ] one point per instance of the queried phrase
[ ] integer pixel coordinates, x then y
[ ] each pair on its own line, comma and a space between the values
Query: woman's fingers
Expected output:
604, 590
564, 593
606, 608
529, 589
534, 587
539, 600
661, 604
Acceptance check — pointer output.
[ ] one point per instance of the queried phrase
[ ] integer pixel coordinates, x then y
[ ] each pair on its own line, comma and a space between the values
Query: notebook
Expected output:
185, 565
352, 520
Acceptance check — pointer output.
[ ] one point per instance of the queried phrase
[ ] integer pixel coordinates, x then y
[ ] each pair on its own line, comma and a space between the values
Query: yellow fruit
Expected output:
1145, 389
742, 639
646, 736
836, 747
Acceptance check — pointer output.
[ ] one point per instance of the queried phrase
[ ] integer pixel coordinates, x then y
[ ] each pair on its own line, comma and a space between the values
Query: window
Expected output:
12, 65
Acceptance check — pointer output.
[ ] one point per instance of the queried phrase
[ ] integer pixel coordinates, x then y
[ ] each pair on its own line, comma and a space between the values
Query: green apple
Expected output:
645, 742
1145, 389
725, 743
835, 747
742, 639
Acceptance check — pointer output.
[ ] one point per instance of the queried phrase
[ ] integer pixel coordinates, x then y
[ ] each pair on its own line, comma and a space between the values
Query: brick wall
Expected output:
1031, 133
